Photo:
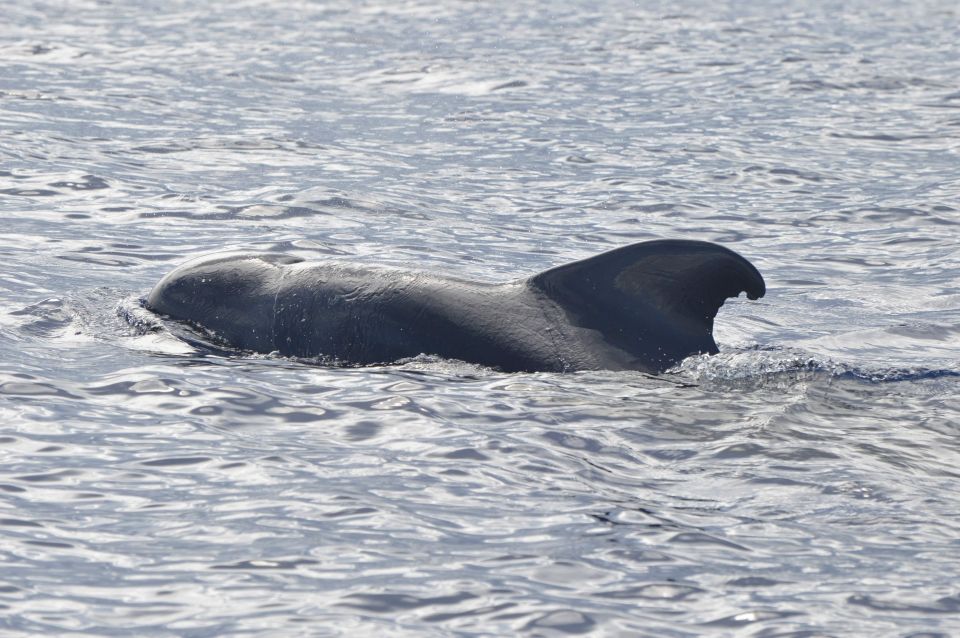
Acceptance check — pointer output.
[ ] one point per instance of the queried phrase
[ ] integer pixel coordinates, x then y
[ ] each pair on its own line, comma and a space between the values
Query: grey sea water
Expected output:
804, 482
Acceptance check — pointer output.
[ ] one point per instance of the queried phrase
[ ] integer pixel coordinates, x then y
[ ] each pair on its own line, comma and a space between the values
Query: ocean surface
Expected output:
803, 482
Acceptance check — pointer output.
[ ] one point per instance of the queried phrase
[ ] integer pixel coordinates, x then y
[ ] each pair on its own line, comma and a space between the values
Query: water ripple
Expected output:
802, 482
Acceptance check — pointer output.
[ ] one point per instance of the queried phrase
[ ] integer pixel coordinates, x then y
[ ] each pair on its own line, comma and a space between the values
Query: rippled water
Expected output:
804, 482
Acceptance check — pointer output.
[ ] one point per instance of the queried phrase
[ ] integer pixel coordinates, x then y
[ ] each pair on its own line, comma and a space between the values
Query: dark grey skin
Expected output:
641, 307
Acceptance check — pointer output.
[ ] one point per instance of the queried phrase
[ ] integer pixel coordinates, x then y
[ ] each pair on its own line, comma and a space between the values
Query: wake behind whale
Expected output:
643, 307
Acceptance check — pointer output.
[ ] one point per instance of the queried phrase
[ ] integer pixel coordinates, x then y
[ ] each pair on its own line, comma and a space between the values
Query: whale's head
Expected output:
231, 295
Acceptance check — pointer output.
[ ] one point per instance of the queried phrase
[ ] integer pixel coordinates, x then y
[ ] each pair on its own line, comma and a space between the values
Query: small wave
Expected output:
133, 311
47, 318
93, 315
900, 374
786, 364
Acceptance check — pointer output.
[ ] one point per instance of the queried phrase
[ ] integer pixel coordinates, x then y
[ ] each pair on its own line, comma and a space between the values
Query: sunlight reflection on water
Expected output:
802, 482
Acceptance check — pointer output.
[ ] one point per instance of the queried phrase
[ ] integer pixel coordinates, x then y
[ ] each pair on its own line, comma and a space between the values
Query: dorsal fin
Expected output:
654, 300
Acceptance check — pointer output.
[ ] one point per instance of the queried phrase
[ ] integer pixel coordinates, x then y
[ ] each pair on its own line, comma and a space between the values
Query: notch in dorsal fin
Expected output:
655, 300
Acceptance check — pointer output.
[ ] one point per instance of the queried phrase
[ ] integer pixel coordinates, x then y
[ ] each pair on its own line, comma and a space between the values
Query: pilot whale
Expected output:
645, 306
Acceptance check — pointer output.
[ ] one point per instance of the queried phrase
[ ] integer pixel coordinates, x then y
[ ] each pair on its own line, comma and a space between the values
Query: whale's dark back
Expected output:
642, 307
363, 315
